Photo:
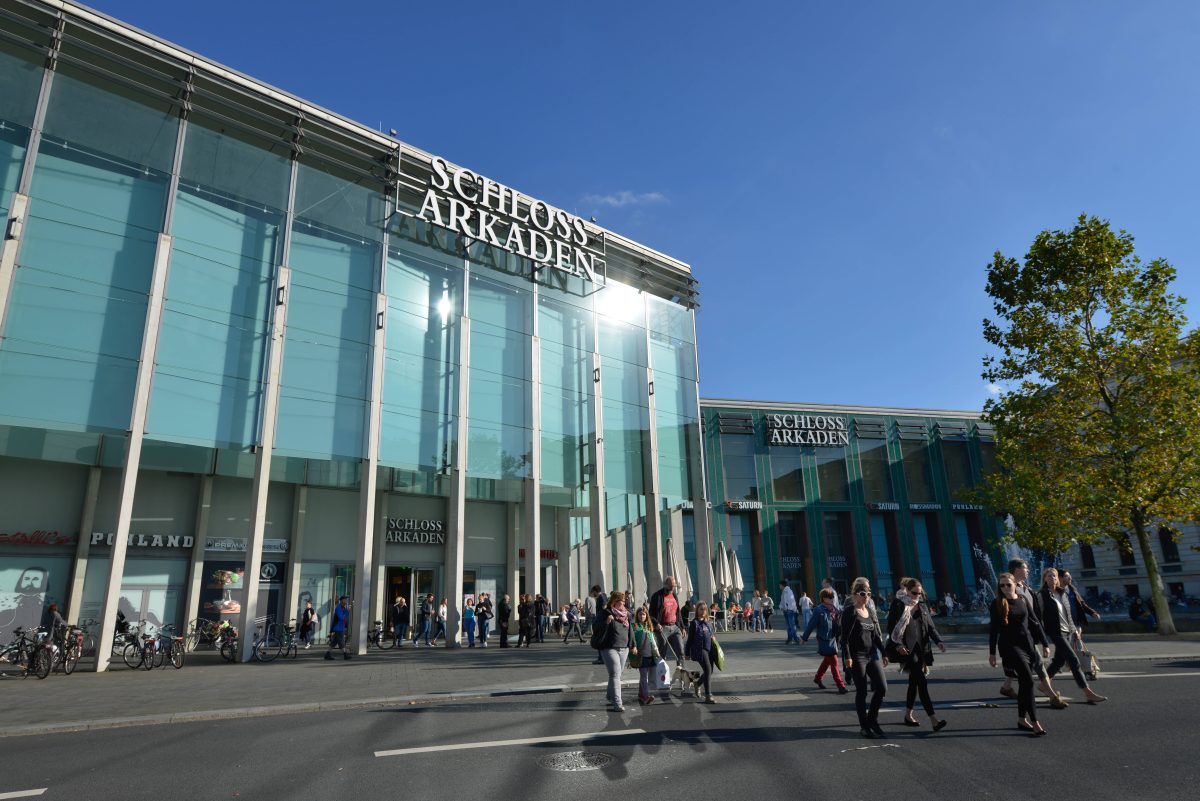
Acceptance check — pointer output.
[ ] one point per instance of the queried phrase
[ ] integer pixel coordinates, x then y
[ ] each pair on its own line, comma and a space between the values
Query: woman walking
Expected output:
525, 621
913, 635
1054, 610
469, 620
1012, 632
645, 654
862, 648
825, 622
768, 608
615, 642
701, 637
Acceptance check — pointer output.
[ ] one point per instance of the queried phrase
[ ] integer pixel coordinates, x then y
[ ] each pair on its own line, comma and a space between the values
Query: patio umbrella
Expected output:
735, 574
724, 576
679, 568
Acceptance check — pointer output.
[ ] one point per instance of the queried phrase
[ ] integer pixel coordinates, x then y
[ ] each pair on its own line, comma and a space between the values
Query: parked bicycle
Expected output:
375, 637
66, 648
276, 641
170, 648
27, 654
203, 632
227, 641
140, 650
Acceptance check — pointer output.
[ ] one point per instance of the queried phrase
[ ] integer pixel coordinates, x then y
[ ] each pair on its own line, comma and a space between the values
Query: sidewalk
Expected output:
207, 688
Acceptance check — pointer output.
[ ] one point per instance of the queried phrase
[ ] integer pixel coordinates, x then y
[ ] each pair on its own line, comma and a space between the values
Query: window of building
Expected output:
1125, 551
1087, 557
917, 476
1170, 548
832, 481
792, 533
737, 456
987, 458
876, 474
957, 461
787, 478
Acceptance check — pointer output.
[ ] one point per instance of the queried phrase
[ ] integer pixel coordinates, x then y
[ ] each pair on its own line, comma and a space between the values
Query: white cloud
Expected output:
625, 197
993, 389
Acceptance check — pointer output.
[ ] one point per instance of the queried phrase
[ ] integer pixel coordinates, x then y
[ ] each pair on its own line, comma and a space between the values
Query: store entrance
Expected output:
412, 583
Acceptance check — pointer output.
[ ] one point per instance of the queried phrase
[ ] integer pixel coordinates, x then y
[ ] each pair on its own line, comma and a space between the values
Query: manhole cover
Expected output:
575, 760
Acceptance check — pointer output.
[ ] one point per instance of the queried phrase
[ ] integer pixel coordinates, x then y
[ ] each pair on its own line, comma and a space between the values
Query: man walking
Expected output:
341, 625
425, 626
787, 605
483, 617
505, 613
806, 608
664, 611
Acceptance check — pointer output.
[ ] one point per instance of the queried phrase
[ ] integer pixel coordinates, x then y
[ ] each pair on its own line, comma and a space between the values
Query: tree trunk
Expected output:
1162, 607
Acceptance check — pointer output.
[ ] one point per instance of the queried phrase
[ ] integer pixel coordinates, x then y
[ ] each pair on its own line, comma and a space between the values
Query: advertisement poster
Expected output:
224, 589
27, 587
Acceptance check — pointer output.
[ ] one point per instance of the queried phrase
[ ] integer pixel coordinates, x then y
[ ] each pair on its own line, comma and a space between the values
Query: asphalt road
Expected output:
765, 738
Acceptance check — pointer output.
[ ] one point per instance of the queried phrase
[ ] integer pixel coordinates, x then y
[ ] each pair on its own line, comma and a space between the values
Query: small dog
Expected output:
687, 679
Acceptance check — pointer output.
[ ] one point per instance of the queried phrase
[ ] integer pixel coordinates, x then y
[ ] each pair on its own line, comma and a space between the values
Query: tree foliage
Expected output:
1098, 420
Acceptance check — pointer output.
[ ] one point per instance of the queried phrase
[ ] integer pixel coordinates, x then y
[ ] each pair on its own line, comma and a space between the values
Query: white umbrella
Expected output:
629, 588
724, 577
735, 574
673, 564
679, 568
712, 582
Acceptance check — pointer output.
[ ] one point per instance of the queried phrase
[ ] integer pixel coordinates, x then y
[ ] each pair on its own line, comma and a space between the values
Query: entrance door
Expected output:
343, 584
423, 584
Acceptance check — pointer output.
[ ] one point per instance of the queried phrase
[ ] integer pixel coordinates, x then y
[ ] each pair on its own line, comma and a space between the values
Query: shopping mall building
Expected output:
253, 353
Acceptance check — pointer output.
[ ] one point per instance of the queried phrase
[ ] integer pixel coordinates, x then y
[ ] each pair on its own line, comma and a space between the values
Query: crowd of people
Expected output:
857, 638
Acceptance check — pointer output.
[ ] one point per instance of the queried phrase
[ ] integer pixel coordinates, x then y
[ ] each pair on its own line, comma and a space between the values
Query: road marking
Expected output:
1102, 675
562, 738
867, 748
23, 793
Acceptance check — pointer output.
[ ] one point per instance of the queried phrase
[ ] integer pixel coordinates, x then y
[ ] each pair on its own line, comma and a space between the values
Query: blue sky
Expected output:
837, 174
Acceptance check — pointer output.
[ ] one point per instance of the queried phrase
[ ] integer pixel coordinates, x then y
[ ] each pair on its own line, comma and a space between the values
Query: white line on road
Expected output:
1104, 675
562, 738
23, 793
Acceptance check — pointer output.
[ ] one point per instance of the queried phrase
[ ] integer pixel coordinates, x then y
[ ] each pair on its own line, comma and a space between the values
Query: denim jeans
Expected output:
759, 623
793, 635
484, 626
425, 628
469, 626
398, 633
614, 660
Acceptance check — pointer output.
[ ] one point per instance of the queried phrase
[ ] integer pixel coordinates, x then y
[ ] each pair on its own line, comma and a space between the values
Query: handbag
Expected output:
1091, 664
662, 675
718, 656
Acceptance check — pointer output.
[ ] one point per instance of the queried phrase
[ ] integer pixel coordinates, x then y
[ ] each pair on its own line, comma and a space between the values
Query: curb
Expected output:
212, 715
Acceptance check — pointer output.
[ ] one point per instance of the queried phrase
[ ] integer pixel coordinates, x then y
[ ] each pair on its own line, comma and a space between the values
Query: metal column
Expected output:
598, 567
291, 601
452, 579
266, 444
533, 485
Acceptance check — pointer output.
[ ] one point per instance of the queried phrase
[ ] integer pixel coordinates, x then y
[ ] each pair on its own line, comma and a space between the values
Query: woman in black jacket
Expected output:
1054, 610
525, 621
913, 636
862, 650
1013, 631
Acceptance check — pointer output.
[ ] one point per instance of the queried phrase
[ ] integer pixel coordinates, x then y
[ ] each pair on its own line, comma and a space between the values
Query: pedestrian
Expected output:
572, 623
700, 641
469, 620
948, 600
425, 627
824, 622
1054, 610
1138, 613
399, 620
1080, 612
308, 624
686, 613
505, 616
589, 610
615, 641
483, 617
789, 607
541, 611
827, 584
526, 621
1012, 631
1019, 569
440, 621
756, 614
601, 601
913, 635
645, 653
768, 609
806, 608
664, 612
340, 628
862, 648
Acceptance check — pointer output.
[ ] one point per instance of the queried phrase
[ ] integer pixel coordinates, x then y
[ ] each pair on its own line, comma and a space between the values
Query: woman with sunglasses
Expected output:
1013, 631
862, 649
913, 636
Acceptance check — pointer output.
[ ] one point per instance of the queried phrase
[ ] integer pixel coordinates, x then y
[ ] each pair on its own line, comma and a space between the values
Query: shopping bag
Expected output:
1091, 665
635, 659
662, 675
718, 656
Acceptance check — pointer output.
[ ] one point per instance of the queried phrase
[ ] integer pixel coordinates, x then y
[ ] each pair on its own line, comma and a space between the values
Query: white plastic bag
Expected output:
662, 675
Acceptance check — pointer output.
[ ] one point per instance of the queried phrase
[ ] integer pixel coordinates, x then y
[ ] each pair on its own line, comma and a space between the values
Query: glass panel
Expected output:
787, 474
96, 209
924, 554
839, 544
957, 461
831, 474
966, 555
790, 531
325, 384
876, 476
20, 80
987, 456
226, 240
879, 550
737, 456
917, 471
50, 446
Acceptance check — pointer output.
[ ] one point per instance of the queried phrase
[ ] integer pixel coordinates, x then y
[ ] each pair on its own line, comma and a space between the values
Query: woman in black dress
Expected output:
862, 650
913, 635
1013, 632
525, 621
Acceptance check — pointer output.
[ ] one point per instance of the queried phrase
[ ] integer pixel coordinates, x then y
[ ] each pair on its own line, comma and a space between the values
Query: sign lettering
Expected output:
146, 540
805, 429
411, 531
735, 506
496, 215
36, 538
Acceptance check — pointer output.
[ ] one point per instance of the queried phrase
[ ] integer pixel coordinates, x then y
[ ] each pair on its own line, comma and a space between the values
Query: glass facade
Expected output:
276, 266
879, 500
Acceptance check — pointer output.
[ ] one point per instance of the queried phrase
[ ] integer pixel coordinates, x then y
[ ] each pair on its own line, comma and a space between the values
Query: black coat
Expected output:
618, 635
505, 613
400, 615
919, 636
1048, 613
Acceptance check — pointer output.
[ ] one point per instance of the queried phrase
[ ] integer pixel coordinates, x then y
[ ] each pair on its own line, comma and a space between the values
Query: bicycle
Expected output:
139, 646
169, 648
267, 647
27, 654
375, 637
69, 647
202, 631
227, 641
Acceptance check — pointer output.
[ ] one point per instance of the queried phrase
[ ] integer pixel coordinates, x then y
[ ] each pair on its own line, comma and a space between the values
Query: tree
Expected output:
1098, 419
